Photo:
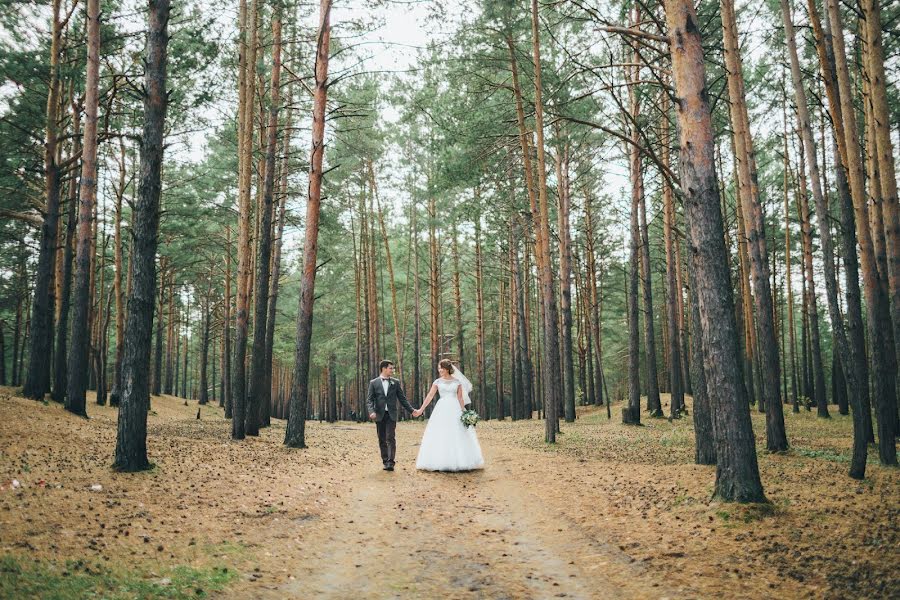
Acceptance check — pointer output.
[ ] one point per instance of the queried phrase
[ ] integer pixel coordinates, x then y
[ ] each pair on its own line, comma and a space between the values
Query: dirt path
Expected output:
461, 535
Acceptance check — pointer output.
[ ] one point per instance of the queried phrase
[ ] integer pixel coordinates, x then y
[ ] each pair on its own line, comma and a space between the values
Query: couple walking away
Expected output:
447, 444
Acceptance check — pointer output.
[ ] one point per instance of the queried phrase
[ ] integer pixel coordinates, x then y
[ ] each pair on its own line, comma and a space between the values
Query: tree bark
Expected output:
60, 357
551, 380
260, 386
119, 288
853, 312
737, 472
631, 414
881, 123
565, 277
672, 287
203, 391
276, 264
812, 306
481, 367
593, 297
879, 321
246, 112
37, 381
295, 432
398, 344
767, 346
131, 441
704, 434
156, 386
226, 329
81, 301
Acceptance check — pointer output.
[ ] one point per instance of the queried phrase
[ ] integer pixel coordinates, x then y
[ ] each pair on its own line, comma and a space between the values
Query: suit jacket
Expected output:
379, 403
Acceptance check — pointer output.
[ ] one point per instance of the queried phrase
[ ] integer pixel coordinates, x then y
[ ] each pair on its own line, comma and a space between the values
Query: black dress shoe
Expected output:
389, 467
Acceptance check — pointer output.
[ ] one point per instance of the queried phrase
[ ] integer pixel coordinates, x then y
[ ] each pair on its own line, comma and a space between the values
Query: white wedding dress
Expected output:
447, 444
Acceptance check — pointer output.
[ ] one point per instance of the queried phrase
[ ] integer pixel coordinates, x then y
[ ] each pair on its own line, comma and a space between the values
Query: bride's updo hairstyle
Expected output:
446, 364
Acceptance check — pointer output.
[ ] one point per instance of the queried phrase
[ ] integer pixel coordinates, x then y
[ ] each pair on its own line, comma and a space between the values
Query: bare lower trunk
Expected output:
672, 287
295, 432
879, 321
737, 472
131, 441
260, 387
81, 301
37, 380
245, 142
767, 342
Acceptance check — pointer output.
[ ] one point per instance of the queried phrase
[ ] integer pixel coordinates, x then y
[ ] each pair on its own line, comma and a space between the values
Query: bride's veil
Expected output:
464, 383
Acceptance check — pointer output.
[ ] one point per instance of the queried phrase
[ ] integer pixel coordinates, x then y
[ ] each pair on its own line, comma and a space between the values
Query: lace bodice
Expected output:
446, 388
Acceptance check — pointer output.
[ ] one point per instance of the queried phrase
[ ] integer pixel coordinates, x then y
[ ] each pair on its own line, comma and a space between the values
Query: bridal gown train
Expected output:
447, 444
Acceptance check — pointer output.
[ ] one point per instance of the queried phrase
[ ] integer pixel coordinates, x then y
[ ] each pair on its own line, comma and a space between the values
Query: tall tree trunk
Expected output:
593, 297
294, 434
565, 280
131, 441
433, 287
246, 112
853, 311
99, 348
276, 264
417, 367
737, 472
881, 122
170, 339
60, 357
260, 386
457, 298
745, 310
81, 300
37, 381
119, 288
226, 329
498, 352
3, 380
631, 414
398, 343
879, 321
156, 385
788, 269
767, 347
332, 389
672, 287
704, 434
550, 381
818, 375
203, 391
523, 350
481, 367
17, 328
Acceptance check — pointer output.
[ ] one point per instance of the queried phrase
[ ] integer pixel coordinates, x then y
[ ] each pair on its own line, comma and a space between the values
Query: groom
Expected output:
381, 400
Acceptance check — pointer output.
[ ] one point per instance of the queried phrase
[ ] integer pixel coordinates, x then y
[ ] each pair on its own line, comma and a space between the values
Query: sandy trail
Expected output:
451, 535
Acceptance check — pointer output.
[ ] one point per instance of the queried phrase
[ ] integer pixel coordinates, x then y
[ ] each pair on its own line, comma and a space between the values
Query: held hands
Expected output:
372, 416
418, 412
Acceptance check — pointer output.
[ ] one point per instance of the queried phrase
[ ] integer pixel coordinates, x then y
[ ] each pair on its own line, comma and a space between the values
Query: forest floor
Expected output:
609, 512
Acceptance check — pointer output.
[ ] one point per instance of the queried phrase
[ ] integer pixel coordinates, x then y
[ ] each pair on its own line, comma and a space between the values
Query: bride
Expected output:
447, 444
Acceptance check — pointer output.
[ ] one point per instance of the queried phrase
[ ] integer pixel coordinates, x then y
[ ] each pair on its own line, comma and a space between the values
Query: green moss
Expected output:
20, 578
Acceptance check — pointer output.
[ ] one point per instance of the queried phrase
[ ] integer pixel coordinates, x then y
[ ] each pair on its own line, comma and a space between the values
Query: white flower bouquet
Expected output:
469, 418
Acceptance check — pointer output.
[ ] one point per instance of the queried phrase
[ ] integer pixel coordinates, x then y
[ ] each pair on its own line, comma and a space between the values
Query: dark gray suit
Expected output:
387, 411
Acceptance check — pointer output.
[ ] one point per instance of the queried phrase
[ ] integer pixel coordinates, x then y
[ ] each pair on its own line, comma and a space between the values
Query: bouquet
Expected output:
469, 418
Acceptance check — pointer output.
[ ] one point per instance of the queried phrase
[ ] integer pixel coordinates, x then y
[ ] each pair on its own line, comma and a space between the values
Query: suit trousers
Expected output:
387, 428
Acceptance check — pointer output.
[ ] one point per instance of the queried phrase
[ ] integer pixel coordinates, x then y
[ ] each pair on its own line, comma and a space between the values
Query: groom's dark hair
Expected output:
383, 364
